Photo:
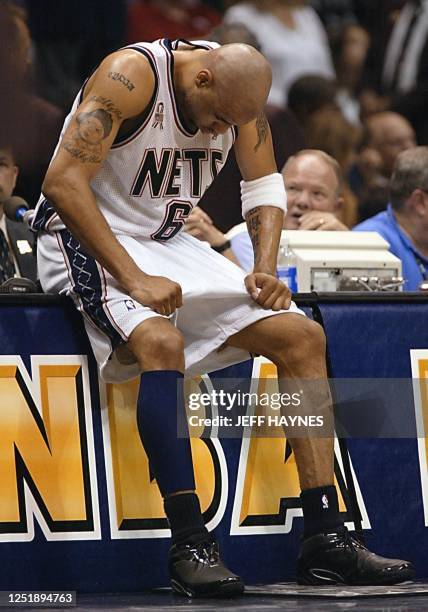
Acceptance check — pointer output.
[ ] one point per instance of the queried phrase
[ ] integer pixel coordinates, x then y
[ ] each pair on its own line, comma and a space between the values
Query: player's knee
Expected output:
308, 342
165, 342
160, 348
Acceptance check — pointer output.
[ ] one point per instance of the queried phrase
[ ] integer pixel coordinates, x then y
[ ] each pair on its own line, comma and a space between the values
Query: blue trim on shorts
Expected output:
87, 285
44, 214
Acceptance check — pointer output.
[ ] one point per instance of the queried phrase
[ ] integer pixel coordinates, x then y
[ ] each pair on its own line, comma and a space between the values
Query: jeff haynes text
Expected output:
252, 420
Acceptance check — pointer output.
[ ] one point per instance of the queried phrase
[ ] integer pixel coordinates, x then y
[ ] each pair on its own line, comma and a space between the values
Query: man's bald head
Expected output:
379, 123
242, 76
313, 181
389, 133
225, 86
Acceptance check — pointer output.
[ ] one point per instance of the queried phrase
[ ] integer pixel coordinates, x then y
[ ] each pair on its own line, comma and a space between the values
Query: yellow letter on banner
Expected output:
137, 503
44, 448
419, 361
267, 490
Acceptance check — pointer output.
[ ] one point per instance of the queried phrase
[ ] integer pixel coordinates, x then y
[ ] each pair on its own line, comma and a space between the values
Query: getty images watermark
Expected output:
231, 401
232, 408
355, 408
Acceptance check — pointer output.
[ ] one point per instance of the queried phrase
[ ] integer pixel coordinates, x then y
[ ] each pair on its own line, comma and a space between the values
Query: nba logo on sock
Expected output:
324, 500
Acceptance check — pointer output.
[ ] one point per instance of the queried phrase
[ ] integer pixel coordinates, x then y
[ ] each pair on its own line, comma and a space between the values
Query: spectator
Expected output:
335, 15
385, 136
29, 124
201, 226
152, 19
227, 33
293, 40
329, 131
378, 18
309, 94
404, 224
314, 184
408, 78
349, 50
403, 74
16, 240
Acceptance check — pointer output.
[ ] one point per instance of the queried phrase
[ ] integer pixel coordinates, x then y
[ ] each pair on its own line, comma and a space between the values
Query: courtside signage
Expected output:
48, 467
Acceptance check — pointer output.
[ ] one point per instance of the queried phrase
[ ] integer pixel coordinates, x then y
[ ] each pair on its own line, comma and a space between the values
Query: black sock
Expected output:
320, 510
185, 517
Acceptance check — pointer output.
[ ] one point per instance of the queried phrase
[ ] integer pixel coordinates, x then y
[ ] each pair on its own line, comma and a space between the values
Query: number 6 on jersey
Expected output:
176, 214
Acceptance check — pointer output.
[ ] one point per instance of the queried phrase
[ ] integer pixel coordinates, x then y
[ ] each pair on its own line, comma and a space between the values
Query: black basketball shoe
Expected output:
339, 558
196, 570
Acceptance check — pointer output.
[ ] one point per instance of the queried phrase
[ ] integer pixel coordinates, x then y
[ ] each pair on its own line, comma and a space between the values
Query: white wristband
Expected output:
265, 191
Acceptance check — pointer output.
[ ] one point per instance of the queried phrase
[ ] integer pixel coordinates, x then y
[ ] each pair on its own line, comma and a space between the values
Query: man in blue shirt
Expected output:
404, 224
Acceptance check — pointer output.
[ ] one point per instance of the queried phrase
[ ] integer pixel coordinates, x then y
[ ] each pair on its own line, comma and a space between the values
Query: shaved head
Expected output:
242, 77
221, 87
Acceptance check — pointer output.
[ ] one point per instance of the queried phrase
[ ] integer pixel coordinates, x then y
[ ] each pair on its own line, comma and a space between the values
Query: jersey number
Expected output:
176, 214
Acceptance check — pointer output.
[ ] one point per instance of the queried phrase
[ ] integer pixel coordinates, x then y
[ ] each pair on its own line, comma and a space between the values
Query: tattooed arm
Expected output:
108, 101
254, 154
255, 157
121, 88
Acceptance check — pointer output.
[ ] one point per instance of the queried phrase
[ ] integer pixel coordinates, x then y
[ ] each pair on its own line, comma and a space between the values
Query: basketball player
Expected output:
147, 134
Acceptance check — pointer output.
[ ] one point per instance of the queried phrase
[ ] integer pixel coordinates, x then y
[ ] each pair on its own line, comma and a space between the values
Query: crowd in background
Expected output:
350, 78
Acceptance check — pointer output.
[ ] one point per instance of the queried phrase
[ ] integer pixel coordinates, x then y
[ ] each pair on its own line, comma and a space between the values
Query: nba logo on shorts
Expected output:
324, 500
130, 304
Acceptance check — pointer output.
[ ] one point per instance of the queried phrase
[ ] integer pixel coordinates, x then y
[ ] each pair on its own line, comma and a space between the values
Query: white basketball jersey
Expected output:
154, 176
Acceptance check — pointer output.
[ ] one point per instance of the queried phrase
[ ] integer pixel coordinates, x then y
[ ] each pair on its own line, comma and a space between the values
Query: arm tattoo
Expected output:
108, 104
79, 154
117, 76
253, 224
84, 143
262, 126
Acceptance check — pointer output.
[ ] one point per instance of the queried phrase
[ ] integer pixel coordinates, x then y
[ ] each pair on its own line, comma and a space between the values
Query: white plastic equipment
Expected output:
343, 261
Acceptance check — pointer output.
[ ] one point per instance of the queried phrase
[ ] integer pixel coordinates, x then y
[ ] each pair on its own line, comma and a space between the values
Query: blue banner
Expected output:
79, 510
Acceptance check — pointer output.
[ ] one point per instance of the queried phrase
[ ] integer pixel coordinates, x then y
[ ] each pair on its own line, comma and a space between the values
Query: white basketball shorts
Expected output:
216, 304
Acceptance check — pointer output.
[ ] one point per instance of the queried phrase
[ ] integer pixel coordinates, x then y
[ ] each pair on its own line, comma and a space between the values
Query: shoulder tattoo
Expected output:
84, 143
108, 105
118, 76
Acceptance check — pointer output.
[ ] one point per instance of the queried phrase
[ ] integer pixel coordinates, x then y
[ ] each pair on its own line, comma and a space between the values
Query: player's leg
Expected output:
297, 347
195, 565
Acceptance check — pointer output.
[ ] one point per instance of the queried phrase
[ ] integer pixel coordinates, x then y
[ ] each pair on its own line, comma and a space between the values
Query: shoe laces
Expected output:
205, 552
350, 541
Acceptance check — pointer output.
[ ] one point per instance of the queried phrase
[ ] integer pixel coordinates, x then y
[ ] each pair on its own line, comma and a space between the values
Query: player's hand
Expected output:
268, 291
320, 221
158, 293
